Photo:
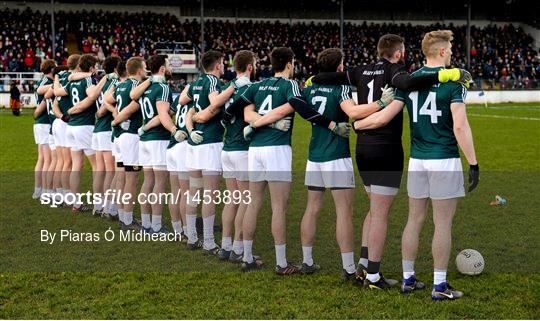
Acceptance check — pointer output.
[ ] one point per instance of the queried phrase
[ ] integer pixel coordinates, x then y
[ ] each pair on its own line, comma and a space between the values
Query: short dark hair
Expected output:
280, 56
133, 65
209, 59
58, 69
242, 59
47, 66
155, 62
87, 61
73, 61
110, 64
121, 68
329, 59
388, 44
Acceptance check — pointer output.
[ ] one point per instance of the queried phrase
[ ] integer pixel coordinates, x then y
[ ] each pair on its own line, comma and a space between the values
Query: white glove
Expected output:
240, 82
125, 125
141, 130
196, 136
180, 135
282, 124
386, 97
112, 76
248, 131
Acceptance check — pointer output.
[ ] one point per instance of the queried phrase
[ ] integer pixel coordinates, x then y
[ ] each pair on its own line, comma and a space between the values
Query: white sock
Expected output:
128, 218
191, 228
373, 277
145, 220
307, 252
37, 190
347, 259
208, 232
363, 262
156, 222
408, 268
98, 206
177, 227
112, 211
238, 247
281, 255
439, 276
121, 215
184, 229
226, 243
248, 247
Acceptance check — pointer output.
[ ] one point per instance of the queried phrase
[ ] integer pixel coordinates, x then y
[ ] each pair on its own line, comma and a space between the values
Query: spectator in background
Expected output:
15, 99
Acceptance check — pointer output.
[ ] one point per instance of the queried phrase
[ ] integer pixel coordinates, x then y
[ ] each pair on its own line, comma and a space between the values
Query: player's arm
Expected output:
256, 120
49, 94
107, 105
189, 121
79, 75
338, 78
40, 109
126, 112
138, 91
355, 111
154, 122
401, 79
56, 109
92, 93
59, 90
186, 96
380, 118
41, 90
163, 108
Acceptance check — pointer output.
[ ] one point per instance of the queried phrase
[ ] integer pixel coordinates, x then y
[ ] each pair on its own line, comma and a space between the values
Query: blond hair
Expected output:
433, 40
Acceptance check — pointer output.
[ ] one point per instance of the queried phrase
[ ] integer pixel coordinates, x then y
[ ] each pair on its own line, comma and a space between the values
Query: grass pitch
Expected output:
96, 280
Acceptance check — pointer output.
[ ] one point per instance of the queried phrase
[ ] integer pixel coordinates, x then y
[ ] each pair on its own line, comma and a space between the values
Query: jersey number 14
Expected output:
429, 107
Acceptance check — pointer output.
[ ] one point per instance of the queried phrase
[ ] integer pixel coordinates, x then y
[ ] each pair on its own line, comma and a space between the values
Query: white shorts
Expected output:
205, 157
437, 179
52, 146
80, 138
176, 159
116, 151
128, 148
337, 173
101, 141
152, 154
270, 163
235, 164
41, 134
59, 128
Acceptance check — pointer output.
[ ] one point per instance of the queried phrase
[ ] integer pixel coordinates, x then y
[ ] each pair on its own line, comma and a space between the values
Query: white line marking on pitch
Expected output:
504, 117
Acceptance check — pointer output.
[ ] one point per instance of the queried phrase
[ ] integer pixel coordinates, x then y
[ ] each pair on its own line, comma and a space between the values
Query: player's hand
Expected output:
248, 131
341, 129
141, 130
241, 82
309, 82
386, 97
455, 74
157, 79
474, 177
71, 111
180, 135
282, 124
112, 76
196, 136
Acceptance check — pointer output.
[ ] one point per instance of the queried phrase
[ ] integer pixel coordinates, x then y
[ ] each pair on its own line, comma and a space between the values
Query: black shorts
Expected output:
380, 164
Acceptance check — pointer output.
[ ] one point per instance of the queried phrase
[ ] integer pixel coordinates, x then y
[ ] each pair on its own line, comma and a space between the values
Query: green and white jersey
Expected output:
103, 123
326, 100
148, 101
44, 117
234, 131
179, 117
50, 113
64, 102
267, 95
430, 117
198, 92
122, 98
77, 93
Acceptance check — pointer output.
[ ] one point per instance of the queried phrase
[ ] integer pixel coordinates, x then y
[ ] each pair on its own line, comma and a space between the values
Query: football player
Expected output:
438, 122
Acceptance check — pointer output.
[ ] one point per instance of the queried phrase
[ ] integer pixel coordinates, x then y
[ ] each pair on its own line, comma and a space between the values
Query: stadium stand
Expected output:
501, 56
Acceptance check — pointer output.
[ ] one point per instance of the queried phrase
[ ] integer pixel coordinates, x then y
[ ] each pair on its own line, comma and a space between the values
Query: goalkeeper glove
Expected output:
386, 97
341, 129
474, 176
456, 75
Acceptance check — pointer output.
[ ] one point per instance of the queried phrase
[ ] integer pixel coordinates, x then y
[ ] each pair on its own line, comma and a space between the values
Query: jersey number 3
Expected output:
429, 107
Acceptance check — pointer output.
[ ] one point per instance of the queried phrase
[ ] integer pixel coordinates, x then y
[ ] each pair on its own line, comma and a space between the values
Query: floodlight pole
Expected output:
202, 27
341, 21
53, 47
468, 34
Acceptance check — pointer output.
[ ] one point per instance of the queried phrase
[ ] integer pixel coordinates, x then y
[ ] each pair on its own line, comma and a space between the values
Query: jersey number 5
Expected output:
429, 107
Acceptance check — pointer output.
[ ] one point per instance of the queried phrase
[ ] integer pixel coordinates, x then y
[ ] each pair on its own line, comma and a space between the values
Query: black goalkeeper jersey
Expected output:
369, 79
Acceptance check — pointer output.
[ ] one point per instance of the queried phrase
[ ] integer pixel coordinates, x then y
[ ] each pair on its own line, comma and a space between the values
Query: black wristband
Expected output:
474, 166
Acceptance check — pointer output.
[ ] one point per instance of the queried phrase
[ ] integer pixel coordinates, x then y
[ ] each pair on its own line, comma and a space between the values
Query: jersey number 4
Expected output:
429, 107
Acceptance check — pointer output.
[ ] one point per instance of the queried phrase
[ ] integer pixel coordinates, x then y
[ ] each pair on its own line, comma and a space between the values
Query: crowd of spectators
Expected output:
502, 55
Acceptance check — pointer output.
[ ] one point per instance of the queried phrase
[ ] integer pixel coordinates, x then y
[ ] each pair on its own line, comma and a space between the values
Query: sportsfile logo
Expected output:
217, 197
